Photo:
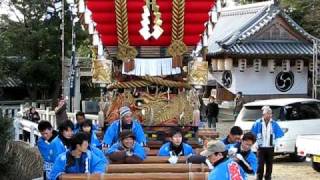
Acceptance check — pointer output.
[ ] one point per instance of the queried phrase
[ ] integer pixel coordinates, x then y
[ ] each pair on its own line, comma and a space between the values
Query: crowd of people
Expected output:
75, 148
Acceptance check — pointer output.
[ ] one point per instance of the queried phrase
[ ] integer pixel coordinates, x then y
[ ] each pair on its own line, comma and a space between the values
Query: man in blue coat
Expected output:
176, 147
267, 132
224, 168
127, 122
233, 137
78, 159
62, 142
127, 150
242, 154
45, 147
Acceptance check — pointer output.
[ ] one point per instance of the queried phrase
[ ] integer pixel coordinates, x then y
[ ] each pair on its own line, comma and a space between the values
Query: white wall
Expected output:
263, 82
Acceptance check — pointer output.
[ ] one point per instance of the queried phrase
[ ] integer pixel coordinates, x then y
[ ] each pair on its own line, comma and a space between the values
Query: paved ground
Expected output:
284, 168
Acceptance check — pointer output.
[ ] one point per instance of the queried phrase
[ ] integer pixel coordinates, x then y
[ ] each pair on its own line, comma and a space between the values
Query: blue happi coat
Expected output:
87, 163
251, 159
137, 150
257, 131
46, 151
226, 170
112, 133
58, 147
165, 149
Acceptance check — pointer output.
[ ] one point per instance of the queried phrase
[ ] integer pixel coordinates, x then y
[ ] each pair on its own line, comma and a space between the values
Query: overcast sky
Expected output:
6, 9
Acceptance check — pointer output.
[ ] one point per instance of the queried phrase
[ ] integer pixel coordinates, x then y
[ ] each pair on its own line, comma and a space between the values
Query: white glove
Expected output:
173, 159
240, 157
232, 151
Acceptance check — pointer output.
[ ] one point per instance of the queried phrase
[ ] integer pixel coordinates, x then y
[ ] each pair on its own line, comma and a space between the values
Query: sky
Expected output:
6, 9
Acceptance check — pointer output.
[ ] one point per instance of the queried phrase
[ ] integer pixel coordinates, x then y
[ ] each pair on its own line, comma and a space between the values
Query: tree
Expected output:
305, 13
36, 47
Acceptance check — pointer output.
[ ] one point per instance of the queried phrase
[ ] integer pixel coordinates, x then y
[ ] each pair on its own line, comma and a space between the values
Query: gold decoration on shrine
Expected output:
198, 72
125, 51
177, 47
101, 71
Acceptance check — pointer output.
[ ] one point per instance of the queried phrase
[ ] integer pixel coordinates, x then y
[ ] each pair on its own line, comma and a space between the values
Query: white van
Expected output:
296, 116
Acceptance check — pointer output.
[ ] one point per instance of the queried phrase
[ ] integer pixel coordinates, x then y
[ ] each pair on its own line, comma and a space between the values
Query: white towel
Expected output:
266, 132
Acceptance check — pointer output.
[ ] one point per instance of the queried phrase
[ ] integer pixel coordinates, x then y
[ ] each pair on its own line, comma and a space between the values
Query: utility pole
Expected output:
62, 46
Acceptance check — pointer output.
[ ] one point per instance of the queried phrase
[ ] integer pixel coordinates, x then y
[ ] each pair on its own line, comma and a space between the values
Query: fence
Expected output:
21, 124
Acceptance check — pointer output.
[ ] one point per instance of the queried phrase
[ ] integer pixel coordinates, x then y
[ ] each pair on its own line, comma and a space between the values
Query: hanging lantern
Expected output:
299, 65
209, 28
311, 66
271, 65
257, 65
91, 28
214, 15
205, 39
100, 48
242, 64
285, 65
95, 38
228, 63
214, 64
87, 16
81, 6
220, 64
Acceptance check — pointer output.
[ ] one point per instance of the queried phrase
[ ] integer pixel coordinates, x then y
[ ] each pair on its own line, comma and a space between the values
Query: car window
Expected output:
303, 111
252, 113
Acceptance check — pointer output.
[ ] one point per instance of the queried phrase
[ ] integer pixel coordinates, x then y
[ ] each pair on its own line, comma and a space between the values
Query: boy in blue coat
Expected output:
87, 127
78, 159
233, 137
44, 146
224, 168
127, 122
242, 154
127, 150
175, 147
267, 132
62, 142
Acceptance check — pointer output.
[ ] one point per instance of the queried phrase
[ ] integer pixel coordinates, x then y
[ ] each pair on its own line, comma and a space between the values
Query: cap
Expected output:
213, 147
124, 111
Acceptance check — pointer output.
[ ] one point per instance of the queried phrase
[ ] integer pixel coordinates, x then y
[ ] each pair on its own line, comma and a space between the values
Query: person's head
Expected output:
266, 113
215, 151
125, 114
32, 109
176, 136
80, 142
127, 138
239, 94
80, 117
45, 129
211, 99
66, 129
86, 126
235, 134
247, 141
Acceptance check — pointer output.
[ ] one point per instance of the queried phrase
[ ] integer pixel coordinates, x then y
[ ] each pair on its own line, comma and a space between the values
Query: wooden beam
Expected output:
162, 159
156, 168
136, 176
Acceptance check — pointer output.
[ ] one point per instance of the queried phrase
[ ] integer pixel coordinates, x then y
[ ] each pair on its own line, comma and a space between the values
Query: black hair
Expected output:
44, 125
80, 113
127, 133
175, 130
78, 138
224, 153
240, 93
236, 130
65, 125
249, 136
86, 122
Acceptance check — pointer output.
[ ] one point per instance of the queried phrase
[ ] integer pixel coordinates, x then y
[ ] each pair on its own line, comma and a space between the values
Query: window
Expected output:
252, 113
302, 111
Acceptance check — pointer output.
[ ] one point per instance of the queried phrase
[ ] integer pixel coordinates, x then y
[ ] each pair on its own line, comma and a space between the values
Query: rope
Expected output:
125, 51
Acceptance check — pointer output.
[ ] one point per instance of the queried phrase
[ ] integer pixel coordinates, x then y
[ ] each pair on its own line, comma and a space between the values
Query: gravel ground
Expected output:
283, 167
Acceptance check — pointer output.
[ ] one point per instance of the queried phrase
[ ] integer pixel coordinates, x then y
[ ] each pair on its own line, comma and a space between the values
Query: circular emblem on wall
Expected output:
284, 81
227, 79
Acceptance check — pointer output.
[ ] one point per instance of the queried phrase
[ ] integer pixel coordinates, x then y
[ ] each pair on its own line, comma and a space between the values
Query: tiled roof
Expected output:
271, 48
10, 82
235, 27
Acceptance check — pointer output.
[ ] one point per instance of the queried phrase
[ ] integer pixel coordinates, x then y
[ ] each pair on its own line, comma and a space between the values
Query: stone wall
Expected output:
23, 161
